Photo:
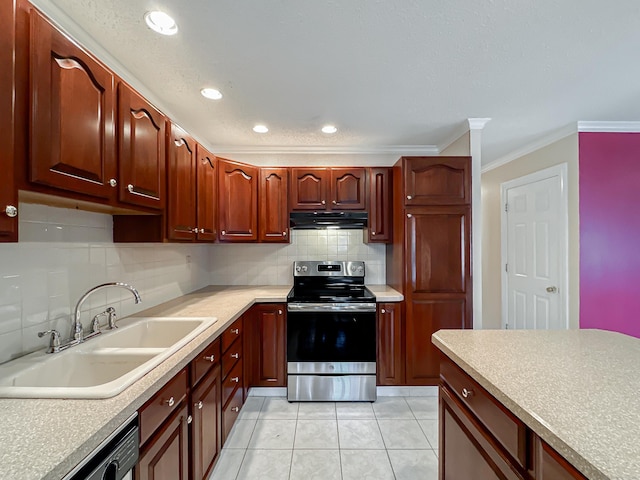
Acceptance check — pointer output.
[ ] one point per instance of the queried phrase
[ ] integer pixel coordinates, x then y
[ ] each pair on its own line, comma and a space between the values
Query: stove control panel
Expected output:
328, 269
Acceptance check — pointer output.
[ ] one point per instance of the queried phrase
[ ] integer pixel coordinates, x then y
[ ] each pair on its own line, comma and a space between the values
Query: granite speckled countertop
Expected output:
577, 389
46, 438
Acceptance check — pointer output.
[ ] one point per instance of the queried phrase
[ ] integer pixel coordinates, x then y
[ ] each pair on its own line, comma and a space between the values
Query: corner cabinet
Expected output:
237, 202
72, 126
8, 157
181, 178
274, 205
141, 150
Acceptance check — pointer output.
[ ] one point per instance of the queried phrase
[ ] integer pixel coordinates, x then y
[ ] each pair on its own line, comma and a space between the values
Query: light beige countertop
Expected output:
579, 390
46, 438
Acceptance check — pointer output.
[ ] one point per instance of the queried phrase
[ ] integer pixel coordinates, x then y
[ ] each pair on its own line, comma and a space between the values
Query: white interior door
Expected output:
535, 260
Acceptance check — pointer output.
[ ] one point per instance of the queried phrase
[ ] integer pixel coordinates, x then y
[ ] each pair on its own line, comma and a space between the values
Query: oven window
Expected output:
331, 337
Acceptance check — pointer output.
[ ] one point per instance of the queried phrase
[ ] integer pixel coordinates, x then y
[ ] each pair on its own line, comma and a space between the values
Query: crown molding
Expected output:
621, 127
477, 123
532, 147
399, 150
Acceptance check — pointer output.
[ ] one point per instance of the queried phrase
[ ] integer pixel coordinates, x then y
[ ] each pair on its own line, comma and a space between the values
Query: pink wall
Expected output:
609, 176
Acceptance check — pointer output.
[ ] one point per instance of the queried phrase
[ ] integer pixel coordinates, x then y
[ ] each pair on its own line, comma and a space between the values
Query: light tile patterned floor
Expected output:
392, 438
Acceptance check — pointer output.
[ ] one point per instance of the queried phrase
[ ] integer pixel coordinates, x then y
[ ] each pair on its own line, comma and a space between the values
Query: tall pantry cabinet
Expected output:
429, 260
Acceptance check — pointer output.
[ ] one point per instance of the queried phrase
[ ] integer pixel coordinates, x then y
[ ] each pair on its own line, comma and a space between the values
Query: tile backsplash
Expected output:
272, 264
62, 253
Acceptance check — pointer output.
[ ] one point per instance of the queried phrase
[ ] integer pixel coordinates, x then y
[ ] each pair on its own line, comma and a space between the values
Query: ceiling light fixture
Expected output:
211, 93
329, 129
260, 129
161, 22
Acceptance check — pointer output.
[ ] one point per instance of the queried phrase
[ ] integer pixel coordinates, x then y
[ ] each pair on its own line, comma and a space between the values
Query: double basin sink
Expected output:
102, 366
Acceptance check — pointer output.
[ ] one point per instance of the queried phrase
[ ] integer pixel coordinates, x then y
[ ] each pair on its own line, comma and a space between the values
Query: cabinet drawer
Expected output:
205, 360
231, 357
163, 403
230, 413
231, 334
230, 382
508, 430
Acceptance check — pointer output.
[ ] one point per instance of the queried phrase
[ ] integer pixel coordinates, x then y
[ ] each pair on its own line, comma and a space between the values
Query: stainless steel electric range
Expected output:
331, 333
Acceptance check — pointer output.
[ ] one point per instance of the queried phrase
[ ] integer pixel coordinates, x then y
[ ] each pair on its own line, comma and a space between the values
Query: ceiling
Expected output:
392, 75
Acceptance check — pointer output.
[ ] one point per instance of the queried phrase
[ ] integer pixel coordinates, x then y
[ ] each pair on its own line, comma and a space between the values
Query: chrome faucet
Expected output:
76, 327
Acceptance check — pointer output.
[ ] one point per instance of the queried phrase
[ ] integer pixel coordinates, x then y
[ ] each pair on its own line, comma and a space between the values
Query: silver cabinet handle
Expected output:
235, 330
552, 289
11, 211
235, 379
235, 409
194, 229
382, 310
223, 232
210, 358
467, 393
113, 182
409, 215
202, 230
409, 197
189, 419
171, 402
131, 189
198, 405
235, 355
323, 202
334, 202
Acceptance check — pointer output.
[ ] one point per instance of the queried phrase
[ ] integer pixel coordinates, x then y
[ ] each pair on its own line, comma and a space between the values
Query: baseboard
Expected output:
268, 392
381, 391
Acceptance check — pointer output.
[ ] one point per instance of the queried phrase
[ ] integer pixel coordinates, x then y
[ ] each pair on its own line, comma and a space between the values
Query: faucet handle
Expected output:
54, 341
95, 323
112, 317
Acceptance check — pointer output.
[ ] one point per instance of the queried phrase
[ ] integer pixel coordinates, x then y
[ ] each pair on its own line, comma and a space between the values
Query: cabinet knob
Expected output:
198, 405
113, 182
409, 197
382, 310
223, 232
235, 409
409, 215
210, 358
373, 233
235, 330
189, 419
284, 234
279, 312
171, 402
334, 202
11, 211
194, 229
202, 230
467, 393
323, 202
235, 379
235, 355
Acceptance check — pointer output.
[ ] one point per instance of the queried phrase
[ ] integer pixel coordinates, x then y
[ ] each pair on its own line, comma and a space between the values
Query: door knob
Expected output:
552, 289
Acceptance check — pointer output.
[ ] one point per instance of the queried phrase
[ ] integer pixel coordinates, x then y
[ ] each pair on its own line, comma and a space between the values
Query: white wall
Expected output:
62, 253
263, 264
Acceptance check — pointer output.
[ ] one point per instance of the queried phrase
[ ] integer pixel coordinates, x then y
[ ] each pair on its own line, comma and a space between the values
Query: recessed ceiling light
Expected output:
161, 22
329, 129
211, 93
260, 129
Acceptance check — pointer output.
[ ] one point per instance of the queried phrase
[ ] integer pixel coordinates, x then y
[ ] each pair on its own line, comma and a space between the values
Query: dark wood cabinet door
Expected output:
466, 450
206, 429
274, 205
72, 129
8, 158
550, 465
309, 188
237, 202
348, 189
141, 149
166, 456
390, 363
437, 180
206, 198
181, 181
380, 207
269, 340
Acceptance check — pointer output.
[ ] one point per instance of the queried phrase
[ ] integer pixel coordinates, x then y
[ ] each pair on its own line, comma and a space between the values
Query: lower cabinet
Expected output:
233, 393
268, 335
480, 438
206, 428
390, 352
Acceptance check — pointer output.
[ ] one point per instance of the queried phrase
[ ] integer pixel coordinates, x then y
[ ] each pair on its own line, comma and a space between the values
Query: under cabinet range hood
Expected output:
325, 220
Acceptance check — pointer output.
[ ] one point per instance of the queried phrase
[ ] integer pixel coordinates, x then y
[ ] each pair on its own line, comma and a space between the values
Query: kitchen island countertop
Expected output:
46, 438
576, 389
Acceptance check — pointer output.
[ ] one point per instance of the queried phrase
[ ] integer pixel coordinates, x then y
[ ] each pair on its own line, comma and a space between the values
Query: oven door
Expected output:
331, 338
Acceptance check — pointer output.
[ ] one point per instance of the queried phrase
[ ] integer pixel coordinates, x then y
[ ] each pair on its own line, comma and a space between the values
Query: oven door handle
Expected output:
331, 307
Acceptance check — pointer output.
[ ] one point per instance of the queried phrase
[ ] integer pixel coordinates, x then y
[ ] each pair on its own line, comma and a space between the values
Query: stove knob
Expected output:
304, 268
298, 269
360, 269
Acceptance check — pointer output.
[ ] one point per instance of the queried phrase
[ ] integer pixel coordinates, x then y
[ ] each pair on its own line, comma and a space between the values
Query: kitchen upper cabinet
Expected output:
8, 158
328, 189
437, 180
181, 173
380, 206
207, 209
72, 127
268, 336
390, 355
237, 201
141, 150
274, 205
